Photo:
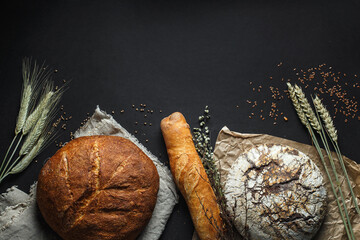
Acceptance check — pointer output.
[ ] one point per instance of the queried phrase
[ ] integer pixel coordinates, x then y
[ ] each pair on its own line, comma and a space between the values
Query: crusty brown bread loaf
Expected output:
190, 177
98, 187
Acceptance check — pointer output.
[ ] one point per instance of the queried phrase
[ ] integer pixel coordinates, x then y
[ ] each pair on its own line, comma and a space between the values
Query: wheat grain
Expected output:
326, 118
306, 107
297, 105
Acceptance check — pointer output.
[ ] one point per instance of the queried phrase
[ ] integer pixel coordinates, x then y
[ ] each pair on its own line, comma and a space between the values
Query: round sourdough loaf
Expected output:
275, 192
98, 187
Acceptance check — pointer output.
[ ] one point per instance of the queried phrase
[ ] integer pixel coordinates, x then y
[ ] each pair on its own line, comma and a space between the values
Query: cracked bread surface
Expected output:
98, 187
275, 192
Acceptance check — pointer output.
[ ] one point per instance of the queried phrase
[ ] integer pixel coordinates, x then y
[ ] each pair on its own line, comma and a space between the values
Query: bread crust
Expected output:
190, 176
275, 192
98, 187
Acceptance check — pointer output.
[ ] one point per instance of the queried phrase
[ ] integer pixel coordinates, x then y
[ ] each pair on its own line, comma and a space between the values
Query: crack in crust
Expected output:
80, 206
276, 192
118, 169
95, 172
66, 176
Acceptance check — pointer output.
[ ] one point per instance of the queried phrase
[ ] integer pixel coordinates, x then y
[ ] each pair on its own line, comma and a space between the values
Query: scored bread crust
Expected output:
190, 177
98, 187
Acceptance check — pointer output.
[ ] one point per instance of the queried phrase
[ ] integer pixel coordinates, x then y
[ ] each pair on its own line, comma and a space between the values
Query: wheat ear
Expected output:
24, 107
307, 109
296, 104
43, 121
36, 114
326, 118
35, 133
33, 80
27, 159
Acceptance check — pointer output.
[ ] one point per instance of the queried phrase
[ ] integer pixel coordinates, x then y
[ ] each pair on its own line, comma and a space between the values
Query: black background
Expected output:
175, 56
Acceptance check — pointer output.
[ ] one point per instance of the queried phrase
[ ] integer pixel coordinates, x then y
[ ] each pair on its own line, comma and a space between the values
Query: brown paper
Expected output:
229, 145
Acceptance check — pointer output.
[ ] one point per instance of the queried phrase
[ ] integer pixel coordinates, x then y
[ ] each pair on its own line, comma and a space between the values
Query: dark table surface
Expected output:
180, 56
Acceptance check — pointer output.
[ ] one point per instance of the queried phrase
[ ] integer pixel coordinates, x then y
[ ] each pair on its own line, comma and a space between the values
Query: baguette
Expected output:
190, 177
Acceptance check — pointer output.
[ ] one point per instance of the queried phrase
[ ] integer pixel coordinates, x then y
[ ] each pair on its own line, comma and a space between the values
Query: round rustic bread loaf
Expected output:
98, 187
275, 192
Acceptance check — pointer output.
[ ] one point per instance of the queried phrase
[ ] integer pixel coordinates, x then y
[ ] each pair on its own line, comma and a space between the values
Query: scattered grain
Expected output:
333, 87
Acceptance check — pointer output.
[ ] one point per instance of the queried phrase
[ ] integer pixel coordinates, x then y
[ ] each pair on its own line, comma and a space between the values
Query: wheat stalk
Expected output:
27, 159
35, 125
25, 102
332, 163
346, 222
332, 133
4, 169
302, 106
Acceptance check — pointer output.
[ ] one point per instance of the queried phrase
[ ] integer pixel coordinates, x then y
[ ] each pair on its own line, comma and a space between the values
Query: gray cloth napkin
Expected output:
19, 216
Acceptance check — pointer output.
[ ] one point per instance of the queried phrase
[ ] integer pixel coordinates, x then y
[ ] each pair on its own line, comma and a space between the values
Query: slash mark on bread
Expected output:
66, 175
95, 170
81, 206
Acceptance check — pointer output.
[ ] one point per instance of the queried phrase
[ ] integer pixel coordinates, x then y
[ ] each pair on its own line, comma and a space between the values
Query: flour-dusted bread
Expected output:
98, 187
275, 192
